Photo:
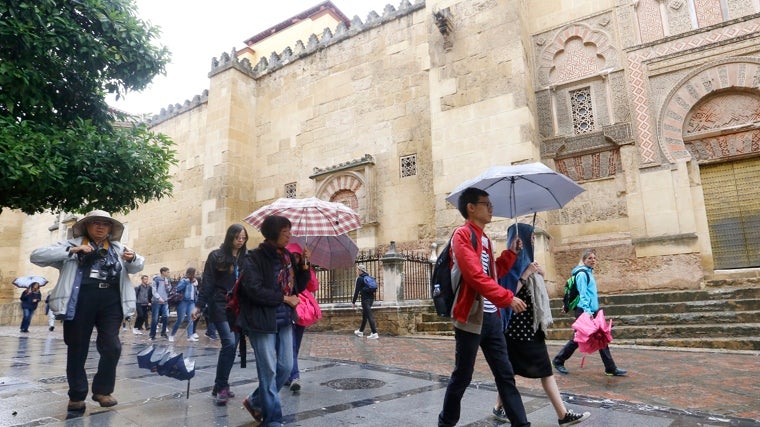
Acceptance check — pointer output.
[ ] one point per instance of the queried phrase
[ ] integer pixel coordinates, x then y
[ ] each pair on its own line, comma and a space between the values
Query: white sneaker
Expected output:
358, 333
196, 337
136, 331
192, 338
171, 338
373, 336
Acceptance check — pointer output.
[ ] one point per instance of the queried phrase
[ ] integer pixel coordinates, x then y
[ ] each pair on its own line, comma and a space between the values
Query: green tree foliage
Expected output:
60, 147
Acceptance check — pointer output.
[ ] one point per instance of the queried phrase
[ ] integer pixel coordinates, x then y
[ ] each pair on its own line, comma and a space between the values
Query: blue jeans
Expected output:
27, 319
298, 331
164, 309
494, 346
274, 361
226, 359
184, 309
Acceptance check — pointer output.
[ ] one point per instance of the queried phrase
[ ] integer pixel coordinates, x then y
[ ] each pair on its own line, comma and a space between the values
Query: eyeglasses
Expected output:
101, 223
489, 205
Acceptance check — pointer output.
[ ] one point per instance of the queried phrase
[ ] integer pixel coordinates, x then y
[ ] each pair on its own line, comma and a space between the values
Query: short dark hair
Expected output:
164, 269
469, 195
190, 271
272, 225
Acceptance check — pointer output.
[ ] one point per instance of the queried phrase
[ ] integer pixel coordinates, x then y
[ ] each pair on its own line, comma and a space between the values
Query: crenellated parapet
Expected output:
313, 44
173, 110
276, 60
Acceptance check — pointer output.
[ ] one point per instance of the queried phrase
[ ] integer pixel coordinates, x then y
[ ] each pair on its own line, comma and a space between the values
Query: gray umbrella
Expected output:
522, 189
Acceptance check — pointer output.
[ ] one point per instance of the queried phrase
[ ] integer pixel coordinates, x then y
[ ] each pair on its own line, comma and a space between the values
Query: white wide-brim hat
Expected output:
80, 228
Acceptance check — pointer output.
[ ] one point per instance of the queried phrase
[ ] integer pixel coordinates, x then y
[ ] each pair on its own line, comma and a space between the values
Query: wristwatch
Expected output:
523, 281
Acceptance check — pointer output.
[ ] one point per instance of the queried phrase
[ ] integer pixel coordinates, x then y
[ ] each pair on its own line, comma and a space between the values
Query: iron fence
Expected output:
417, 271
338, 285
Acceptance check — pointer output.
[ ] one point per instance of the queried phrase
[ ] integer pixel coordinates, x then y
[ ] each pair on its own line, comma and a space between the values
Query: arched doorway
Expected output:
721, 133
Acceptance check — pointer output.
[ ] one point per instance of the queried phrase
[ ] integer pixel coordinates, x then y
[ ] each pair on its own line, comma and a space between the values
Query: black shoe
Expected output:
51, 328
573, 418
560, 367
165, 336
616, 373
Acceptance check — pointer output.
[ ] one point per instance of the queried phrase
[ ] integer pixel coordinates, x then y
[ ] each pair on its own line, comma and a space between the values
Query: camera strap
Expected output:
106, 244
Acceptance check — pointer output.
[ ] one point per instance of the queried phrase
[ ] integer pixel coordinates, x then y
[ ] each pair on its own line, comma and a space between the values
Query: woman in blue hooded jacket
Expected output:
526, 331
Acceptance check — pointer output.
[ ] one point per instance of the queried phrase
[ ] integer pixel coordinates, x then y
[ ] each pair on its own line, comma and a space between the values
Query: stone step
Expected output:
744, 343
706, 331
435, 326
682, 318
695, 295
678, 296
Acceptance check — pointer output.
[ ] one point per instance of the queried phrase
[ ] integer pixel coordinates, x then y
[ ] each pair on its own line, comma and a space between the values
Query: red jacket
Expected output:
468, 306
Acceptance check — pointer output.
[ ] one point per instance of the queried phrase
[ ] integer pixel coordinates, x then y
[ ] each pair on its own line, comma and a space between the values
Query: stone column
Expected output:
393, 275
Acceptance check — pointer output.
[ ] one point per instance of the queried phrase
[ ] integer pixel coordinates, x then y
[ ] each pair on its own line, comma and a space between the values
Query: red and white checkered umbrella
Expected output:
310, 216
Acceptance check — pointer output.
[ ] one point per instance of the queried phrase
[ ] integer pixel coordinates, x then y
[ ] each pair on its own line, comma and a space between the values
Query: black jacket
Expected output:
218, 279
261, 295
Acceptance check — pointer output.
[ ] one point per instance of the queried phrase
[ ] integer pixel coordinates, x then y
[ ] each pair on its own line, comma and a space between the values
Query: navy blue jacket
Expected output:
26, 300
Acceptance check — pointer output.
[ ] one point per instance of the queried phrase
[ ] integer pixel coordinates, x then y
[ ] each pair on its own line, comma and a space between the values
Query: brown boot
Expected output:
105, 400
76, 406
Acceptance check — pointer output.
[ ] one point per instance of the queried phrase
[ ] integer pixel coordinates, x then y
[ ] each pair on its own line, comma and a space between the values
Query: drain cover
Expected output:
53, 380
354, 384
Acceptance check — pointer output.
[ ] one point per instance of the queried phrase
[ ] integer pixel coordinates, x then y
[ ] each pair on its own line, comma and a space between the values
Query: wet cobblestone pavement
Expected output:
393, 381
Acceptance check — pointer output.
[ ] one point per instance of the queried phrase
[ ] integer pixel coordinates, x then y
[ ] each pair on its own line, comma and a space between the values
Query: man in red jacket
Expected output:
475, 311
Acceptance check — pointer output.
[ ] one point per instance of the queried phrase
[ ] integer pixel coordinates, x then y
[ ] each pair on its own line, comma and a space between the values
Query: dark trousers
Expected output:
101, 309
571, 346
494, 346
367, 314
142, 316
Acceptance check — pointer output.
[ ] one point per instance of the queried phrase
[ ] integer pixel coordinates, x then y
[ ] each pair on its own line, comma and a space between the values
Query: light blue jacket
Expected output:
63, 297
586, 284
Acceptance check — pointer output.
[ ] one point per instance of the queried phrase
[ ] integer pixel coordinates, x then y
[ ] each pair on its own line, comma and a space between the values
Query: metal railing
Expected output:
338, 285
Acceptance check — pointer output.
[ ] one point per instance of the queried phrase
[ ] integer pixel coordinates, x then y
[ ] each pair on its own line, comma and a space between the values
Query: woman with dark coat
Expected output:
29, 300
270, 286
223, 268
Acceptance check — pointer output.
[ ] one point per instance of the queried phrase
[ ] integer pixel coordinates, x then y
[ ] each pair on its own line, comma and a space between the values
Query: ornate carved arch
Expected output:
678, 115
340, 186
579, 37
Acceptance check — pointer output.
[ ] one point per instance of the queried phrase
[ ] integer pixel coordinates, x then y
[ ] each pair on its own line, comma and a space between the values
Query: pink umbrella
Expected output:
592, 334
329, 252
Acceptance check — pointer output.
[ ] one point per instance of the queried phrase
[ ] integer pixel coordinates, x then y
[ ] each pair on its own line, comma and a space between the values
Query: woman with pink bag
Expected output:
308, 313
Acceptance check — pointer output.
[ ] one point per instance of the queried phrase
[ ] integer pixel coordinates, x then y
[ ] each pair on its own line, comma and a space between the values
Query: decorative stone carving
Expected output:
702, 102
589, 156
575, 51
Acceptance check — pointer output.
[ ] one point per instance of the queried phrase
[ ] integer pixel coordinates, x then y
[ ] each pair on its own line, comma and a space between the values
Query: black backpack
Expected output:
571, 297
441, 288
